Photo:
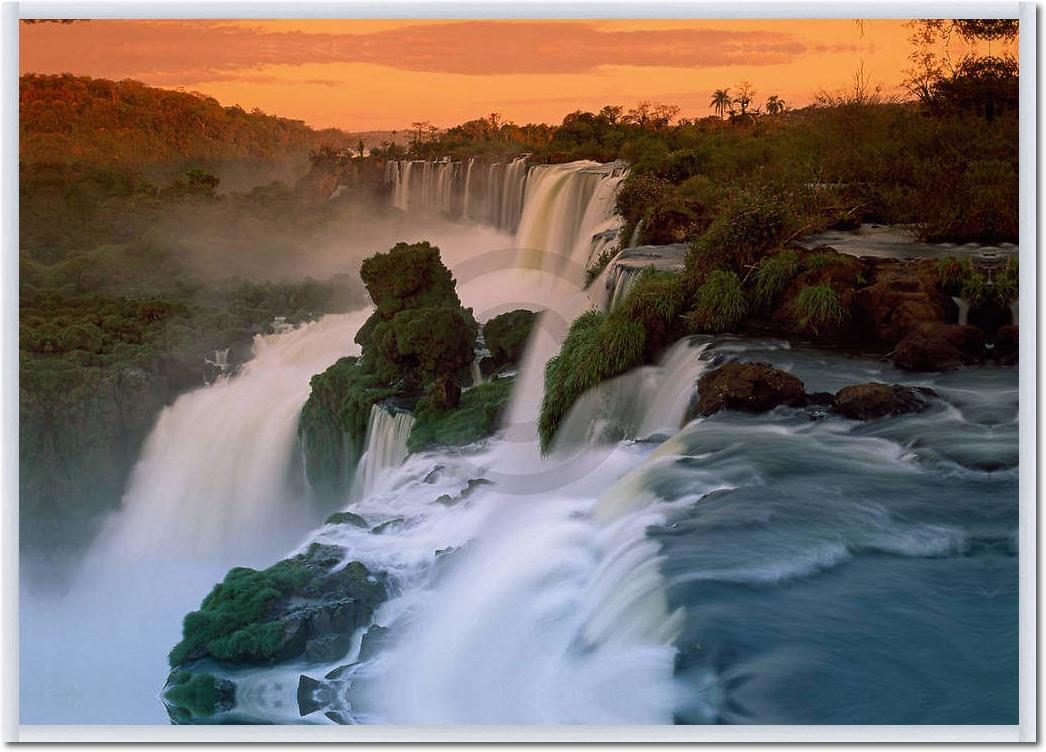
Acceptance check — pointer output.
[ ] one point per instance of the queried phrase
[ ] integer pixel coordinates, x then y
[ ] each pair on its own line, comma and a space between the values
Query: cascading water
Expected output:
215, 475
386, 449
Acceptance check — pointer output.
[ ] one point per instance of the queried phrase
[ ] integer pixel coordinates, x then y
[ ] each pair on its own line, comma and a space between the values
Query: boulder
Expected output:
901, 296
1007, 344
875, 400
750, 387
327, 648
939, 347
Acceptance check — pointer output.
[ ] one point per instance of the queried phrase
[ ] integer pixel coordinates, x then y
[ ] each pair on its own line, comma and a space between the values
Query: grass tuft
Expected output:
819, 306
721, 303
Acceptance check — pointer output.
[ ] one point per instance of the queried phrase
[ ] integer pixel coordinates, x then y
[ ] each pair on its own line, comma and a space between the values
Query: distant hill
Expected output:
67, 119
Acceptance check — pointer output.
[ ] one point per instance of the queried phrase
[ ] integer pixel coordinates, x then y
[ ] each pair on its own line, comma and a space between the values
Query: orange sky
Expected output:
368, 74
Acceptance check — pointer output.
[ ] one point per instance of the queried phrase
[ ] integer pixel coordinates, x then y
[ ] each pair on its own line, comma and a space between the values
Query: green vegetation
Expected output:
721, 303
197, 694
333, 423
818, 306
773, 275
243, 619
476, 417
233, 623
597, 347
506, 336
824, 259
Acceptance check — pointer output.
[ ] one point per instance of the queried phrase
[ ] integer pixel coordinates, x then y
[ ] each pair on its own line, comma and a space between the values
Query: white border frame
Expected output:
1026, 11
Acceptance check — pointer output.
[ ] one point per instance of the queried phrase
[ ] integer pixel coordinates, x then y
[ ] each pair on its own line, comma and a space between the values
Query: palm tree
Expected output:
774, 104
720, 102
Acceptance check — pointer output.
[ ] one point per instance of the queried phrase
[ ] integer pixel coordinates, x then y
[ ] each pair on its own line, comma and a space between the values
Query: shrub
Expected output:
819, 306
720, 304
476, 417
951, 274
597, 347
823, 259
506, 335
750, 224
410, 275
773, 275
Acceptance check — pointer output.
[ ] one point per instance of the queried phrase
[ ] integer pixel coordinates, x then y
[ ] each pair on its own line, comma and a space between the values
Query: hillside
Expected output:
66, 119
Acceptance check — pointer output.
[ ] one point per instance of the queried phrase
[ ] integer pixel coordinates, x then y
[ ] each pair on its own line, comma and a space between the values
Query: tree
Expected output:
419, 127
743, 100
720, 102
774, 105
612, 113
361, 147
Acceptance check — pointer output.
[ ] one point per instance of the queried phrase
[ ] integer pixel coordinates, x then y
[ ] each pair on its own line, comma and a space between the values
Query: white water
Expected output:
551, 606
386, 449
964, 310
215, 473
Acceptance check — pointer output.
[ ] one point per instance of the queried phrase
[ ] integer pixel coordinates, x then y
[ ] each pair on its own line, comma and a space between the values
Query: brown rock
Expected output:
939, 347
868, 401
1007, 344
751, 387
902, 296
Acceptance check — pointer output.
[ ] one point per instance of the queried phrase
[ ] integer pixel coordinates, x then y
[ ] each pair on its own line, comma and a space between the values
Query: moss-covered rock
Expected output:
476, 417
260, 617
346, 518
506, 336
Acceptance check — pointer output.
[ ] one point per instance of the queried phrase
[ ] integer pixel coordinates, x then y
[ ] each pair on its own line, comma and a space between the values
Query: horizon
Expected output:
534, 71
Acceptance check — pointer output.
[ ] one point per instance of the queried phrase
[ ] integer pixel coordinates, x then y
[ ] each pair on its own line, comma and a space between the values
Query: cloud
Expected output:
186, 52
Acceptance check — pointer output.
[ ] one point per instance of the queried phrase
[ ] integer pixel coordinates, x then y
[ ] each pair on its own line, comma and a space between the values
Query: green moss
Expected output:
818, 306
476, 417
773, 275
232, 622
597, 347
198, 694
506, 336
721, 303
241, 619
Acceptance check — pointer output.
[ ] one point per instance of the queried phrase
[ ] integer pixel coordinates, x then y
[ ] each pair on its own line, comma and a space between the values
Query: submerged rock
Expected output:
313, 695
346, 518
875, 400
750, 387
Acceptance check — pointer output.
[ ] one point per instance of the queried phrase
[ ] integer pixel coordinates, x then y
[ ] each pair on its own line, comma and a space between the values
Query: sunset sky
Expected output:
367, 74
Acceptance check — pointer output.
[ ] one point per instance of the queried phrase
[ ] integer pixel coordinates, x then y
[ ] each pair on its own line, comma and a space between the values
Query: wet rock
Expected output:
313, 695
328, 648
750, 387
902, 296
379, 529
875, 400
1007, 344
939, 347
373, 641
346, 518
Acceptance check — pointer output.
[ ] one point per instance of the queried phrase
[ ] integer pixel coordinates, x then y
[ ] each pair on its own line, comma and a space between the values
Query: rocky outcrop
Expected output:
935, 346
749, 387
759, 387
302, 607
875, 400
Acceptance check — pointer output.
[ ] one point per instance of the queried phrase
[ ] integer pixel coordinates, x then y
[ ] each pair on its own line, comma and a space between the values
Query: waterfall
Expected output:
565, 207
644, 402
215, 475
386, 449
466, 205
964, 310
475, 372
